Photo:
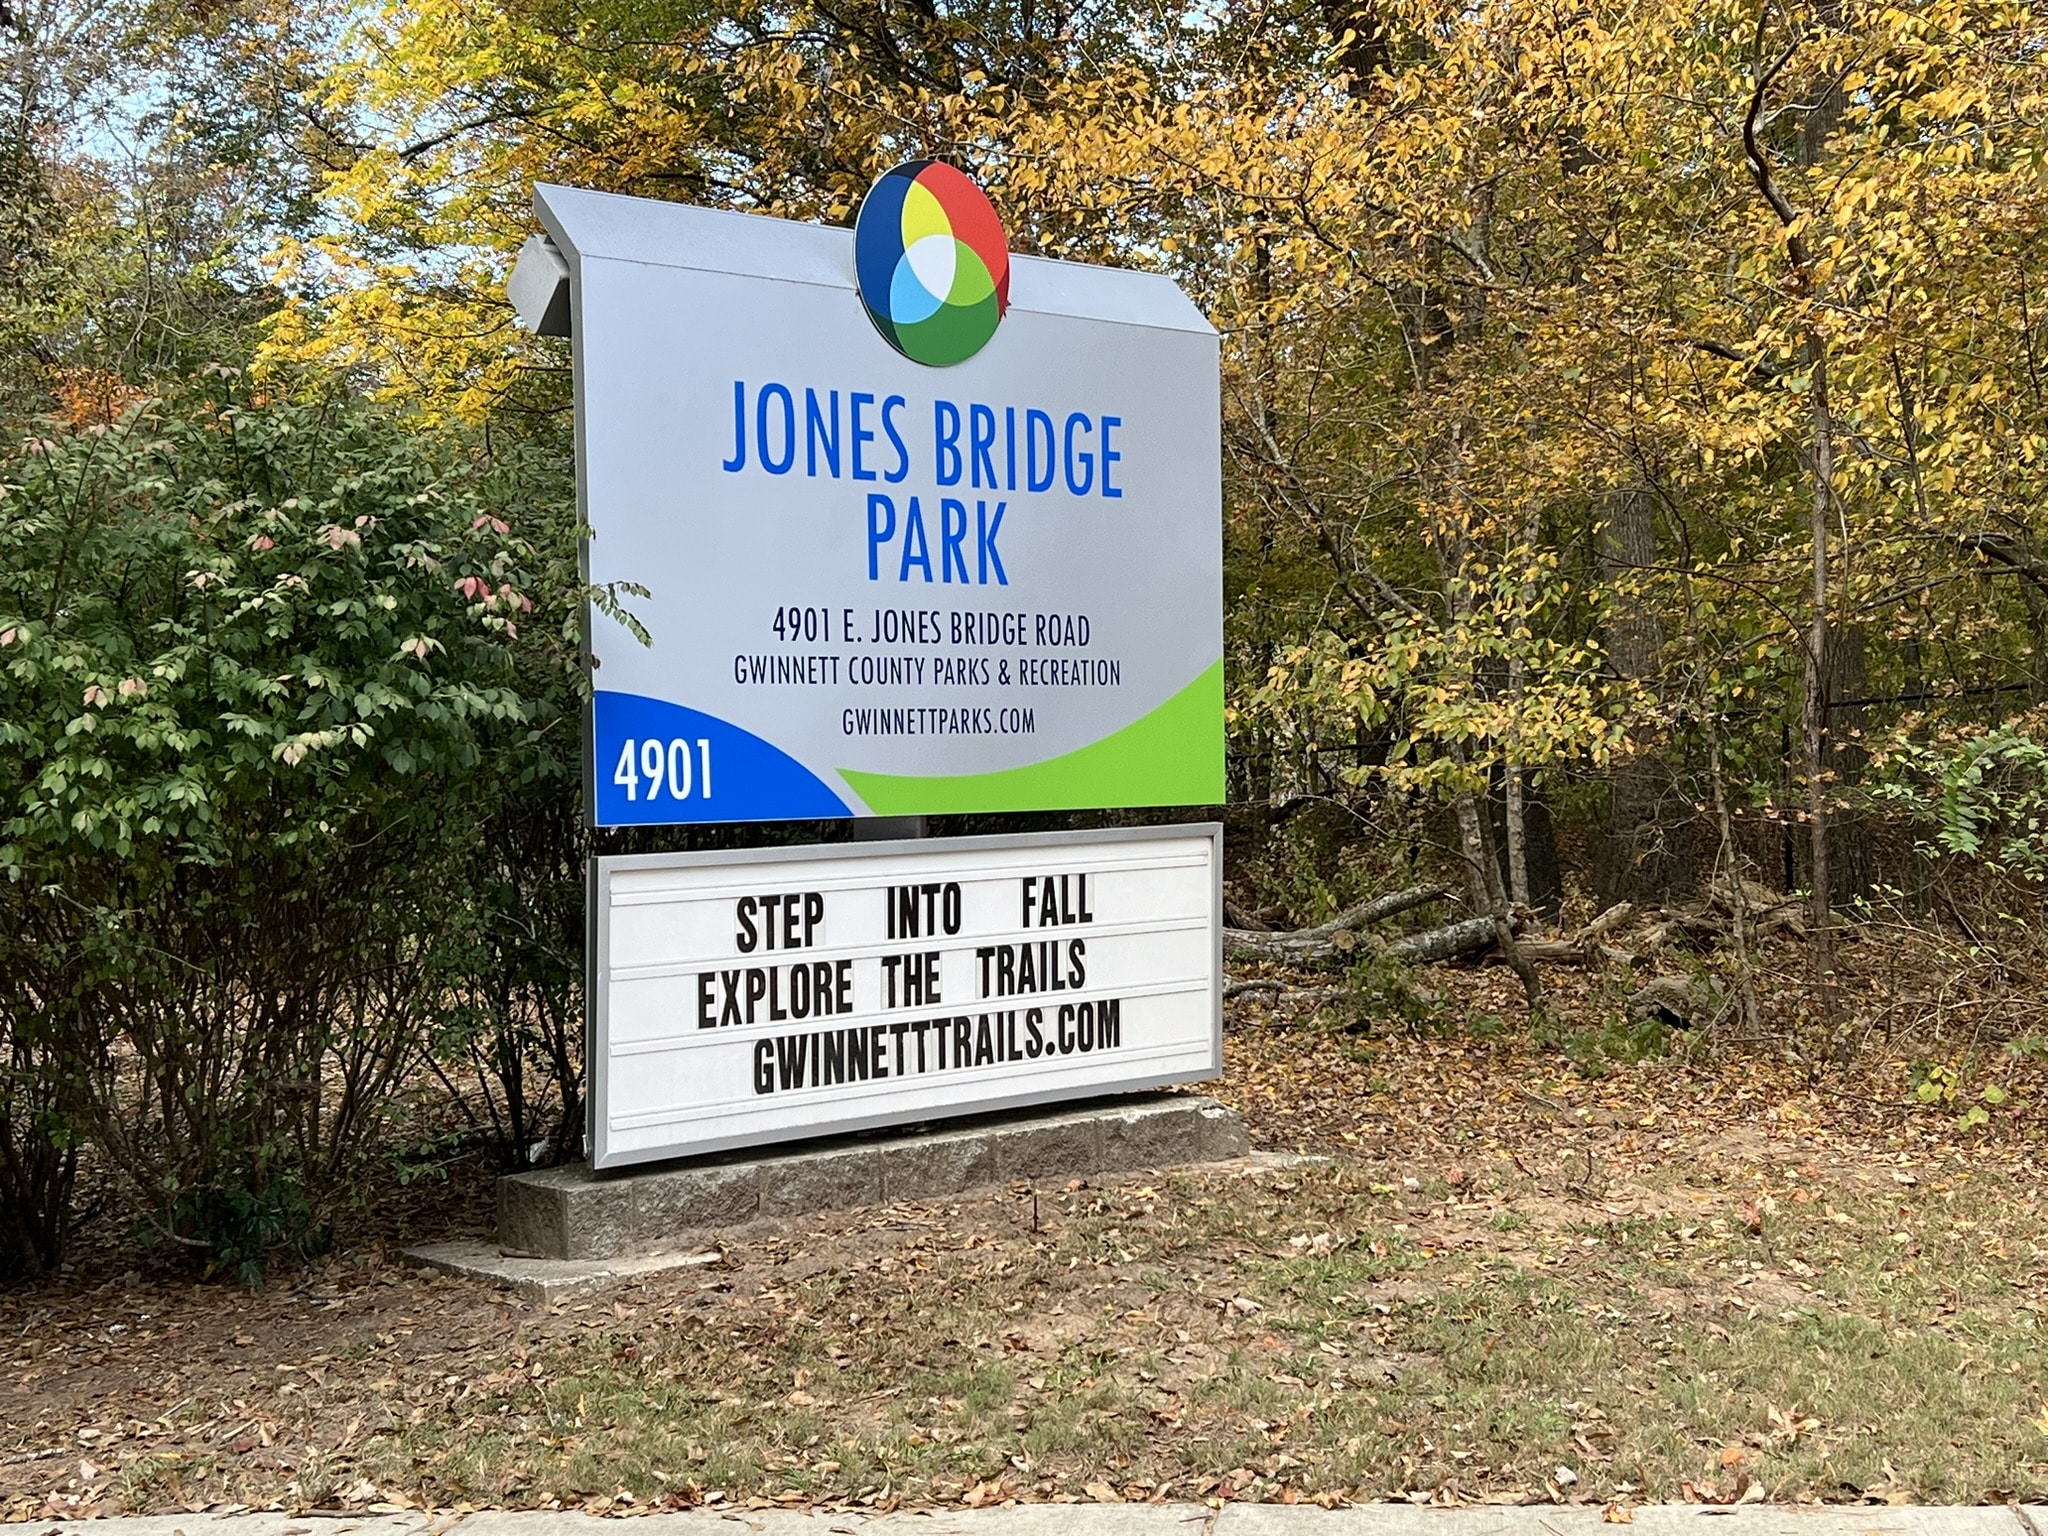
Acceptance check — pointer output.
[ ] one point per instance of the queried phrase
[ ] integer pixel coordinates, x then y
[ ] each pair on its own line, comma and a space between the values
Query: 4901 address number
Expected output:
679, 768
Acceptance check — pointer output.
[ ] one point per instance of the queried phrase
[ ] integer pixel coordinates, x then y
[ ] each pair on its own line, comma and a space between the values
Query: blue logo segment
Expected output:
658, 764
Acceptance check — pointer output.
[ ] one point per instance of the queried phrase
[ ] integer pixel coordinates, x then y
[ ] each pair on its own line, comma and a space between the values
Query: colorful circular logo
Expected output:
932, 263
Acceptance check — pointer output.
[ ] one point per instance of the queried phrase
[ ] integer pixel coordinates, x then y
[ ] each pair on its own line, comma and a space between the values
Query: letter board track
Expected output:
868, 581
745, 998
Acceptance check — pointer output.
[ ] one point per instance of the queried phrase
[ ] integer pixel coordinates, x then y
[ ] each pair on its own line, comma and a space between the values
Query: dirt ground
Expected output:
1494, 1277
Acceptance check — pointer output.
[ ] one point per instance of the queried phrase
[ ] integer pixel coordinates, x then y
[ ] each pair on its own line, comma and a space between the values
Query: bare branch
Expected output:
1752, 147
1305, 505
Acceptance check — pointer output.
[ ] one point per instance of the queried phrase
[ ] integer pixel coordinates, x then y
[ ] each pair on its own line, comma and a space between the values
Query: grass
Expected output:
1584, 1294
1833, 1351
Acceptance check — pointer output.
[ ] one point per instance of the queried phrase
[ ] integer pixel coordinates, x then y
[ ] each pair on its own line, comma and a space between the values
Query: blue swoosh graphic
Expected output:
750, 780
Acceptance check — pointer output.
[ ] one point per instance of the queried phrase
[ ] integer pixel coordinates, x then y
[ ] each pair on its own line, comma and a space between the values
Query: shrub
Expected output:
510, 1043
1977, 792
257, 683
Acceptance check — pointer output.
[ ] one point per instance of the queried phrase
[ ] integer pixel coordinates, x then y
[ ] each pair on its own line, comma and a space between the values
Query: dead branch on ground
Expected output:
1326, 941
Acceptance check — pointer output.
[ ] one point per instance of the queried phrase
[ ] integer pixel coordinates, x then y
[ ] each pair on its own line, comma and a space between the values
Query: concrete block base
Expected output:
574, 1214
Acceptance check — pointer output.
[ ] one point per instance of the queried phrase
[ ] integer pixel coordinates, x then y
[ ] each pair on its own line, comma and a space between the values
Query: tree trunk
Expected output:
1814, 724
1852, 861
1518, 848
1487, 893
1539, 849
1545, 888
1637, 859
1517, 821
1821, 460
1516, 825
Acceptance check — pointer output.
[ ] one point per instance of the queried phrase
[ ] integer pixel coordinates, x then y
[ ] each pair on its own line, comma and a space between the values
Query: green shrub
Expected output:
512, 949
1975, 792
259, 704
241, 1224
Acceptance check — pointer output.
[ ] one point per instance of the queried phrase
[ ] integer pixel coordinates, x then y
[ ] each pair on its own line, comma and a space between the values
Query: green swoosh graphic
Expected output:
1173, 756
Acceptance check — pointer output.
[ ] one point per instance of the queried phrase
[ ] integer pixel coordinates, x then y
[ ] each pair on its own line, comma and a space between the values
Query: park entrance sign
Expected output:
746, 998
907, 524
887, 522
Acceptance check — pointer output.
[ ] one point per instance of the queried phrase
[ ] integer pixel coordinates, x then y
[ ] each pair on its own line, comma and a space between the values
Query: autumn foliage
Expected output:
1634, 423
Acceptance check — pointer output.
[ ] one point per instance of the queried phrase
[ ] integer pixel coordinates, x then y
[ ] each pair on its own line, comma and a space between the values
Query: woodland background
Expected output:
1634, 450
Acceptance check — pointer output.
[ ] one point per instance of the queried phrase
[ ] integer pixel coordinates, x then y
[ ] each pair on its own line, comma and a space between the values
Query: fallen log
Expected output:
1571, 952
1584, 947
1469, 936
1235, 916
1764, 912
1761, 907
1240, 988
1607, 922
1325, 940
1466, 937
1380, 908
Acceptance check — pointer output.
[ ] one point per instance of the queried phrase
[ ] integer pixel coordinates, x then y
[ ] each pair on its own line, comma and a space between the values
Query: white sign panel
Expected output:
742, 998
883, 577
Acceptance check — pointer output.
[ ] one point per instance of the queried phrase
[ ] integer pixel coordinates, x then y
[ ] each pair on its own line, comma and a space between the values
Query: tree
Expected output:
1503, 293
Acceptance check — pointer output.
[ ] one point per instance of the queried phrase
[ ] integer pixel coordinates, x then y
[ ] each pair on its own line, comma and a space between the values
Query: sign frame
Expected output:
1127, 715
597, 984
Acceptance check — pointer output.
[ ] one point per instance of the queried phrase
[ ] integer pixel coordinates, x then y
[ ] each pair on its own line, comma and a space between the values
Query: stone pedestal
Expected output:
573, 1213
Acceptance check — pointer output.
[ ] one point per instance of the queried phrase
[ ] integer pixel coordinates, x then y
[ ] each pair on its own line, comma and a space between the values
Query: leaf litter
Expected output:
1477, 1271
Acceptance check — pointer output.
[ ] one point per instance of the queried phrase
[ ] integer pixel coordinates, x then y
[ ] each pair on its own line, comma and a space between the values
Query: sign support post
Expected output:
883, 829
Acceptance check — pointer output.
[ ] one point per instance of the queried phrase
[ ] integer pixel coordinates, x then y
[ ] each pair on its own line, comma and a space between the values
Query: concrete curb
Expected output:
1127, 1520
